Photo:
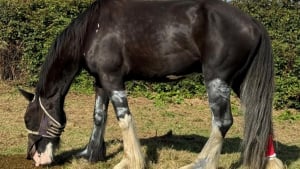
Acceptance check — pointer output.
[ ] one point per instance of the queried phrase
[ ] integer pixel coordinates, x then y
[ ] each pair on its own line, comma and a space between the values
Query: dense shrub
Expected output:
11, 45
32, 25
28, 27
282, 22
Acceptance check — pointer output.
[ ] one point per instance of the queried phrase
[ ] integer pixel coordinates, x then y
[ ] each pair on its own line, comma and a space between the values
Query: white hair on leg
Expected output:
133, 157
212, 149
219, 101
124, 163
210, 154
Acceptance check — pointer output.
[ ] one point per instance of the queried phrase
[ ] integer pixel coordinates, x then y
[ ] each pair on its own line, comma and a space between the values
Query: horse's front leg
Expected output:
219, 101
96, 150
133, 158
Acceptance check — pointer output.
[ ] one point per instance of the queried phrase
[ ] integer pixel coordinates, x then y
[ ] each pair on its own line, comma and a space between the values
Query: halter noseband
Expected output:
54, 130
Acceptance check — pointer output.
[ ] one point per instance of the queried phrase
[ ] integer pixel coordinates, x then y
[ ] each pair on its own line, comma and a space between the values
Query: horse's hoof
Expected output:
190, 166
123, 164
92, 155
199, 164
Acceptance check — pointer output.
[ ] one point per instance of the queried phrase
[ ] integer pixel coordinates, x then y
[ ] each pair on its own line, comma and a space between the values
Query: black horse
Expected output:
120, 40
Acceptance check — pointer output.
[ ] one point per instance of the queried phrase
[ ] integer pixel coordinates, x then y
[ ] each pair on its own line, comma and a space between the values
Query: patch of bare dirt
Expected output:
16, 162
19, 162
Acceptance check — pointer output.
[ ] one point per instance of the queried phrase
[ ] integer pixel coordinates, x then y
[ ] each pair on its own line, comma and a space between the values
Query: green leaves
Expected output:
282, 21
171, 92
34, 25
28, 28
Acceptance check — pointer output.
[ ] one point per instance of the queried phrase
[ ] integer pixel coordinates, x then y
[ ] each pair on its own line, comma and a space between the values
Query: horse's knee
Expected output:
219, 101
120, 103
100, 113
98, 119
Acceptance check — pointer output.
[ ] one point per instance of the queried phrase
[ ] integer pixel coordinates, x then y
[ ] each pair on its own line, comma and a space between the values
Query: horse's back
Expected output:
153, 39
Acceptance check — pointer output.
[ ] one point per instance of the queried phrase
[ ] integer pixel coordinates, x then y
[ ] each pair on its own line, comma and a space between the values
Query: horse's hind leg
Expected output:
133, 158
219, 101
95, 150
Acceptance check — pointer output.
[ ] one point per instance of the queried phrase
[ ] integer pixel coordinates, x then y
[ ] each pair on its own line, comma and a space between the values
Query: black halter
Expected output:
49, 127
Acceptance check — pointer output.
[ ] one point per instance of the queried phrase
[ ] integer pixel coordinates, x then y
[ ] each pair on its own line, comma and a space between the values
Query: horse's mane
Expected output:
70, 42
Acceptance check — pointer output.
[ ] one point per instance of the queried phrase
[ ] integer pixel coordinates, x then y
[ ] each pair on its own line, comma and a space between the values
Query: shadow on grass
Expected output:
191, 143
194, 143
68, 156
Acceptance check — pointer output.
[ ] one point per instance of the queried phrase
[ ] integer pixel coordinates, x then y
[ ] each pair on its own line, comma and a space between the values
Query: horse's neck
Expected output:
64, 61
56, 78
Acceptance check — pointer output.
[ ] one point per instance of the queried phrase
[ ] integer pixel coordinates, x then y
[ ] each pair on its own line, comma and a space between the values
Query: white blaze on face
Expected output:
45, 157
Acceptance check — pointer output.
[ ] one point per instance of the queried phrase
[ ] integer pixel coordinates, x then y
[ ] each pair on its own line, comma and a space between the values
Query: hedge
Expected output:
28, 27
283, 24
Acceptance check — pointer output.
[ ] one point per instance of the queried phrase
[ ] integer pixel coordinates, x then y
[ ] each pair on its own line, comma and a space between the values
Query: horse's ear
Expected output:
27, 95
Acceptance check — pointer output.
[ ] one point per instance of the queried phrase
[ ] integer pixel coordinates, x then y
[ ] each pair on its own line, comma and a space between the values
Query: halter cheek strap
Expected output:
54, 130
46, 112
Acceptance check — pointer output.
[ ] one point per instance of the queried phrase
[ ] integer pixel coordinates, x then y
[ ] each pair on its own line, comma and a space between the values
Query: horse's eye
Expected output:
26, 119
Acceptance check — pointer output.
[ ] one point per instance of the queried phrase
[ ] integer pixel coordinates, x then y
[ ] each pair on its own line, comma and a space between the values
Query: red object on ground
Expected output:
270, 151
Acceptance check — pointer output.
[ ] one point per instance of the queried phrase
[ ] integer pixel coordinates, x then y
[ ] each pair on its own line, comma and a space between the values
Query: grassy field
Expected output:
189, 123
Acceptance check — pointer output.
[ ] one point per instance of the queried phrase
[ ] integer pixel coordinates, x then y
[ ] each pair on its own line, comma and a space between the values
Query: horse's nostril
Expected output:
31, 152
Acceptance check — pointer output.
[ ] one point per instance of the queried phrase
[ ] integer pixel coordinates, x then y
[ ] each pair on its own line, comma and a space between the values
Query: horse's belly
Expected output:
168, 66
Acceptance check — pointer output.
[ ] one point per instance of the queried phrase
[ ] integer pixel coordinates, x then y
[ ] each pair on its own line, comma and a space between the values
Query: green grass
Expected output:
288, 115
189, 123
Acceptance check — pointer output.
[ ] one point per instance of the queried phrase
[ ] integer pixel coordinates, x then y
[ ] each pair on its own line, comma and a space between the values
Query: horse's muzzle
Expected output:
32, 145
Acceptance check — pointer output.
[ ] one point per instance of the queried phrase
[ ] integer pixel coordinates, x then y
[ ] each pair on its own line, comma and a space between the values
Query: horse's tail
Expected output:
257, 96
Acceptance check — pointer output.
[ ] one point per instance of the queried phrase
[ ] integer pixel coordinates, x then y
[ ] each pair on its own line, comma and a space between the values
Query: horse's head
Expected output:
43, 129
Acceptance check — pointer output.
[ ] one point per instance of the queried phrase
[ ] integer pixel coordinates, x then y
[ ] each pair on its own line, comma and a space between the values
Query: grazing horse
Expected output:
120, 40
